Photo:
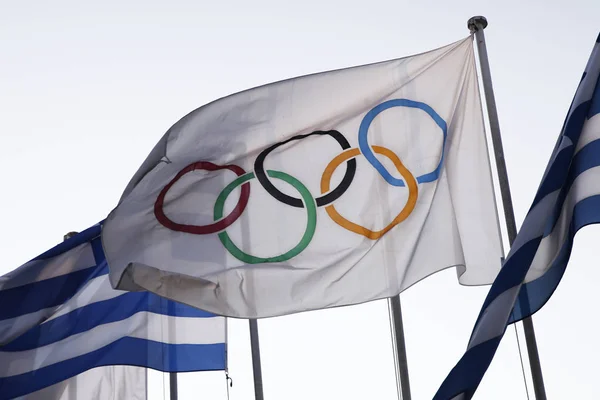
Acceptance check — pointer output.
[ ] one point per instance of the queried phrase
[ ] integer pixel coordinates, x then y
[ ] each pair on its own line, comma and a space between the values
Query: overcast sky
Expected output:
87, 89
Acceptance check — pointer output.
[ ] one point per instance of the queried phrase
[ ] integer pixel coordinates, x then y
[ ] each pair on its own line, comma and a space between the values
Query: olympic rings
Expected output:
361, 230
311, 224
259, 169
363, 141
219, 225
306, 199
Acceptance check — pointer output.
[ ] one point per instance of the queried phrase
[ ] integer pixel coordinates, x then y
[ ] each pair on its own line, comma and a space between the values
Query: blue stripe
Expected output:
572, 129
535, 294
553, 170
467, 374
557, 174
47, 293
586, 158
555, 179
102, 312
126, 351
574, 125
513, 272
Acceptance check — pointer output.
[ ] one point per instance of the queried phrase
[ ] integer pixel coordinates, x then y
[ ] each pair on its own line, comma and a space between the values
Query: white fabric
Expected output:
454, 222
103, 383
488, 327
589, 133
95, 290
585, 185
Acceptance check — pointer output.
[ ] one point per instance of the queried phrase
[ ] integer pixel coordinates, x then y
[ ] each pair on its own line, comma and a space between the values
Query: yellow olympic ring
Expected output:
411, 183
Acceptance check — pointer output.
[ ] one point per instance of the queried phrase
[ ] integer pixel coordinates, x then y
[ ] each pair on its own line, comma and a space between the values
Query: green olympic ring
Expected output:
311, 223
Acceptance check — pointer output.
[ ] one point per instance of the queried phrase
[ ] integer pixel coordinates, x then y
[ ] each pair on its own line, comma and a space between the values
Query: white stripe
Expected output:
78, 258
585, 185
143, 325
589, 133
564, 143
493, 321
97, 289
535, 222
13, 327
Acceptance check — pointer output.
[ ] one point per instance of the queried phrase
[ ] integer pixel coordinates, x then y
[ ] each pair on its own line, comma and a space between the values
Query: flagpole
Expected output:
73, 382
256, 365
476, 25
402, 380
173, 385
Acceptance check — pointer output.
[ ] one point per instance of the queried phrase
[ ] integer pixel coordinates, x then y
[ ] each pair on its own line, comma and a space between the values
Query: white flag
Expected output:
325, 190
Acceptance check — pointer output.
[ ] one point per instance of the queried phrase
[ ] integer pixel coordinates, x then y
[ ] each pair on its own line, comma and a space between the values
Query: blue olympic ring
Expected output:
365, 149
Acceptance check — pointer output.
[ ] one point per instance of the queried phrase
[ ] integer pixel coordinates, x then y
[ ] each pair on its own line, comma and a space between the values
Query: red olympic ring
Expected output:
202, 229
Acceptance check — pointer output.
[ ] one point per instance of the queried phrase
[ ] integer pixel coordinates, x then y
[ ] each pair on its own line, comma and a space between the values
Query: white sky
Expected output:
87, 89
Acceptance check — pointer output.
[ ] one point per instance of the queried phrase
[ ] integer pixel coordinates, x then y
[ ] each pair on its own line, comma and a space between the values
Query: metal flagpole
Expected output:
256, 366
241, 148
476, 25
400, 348
72, 382
173, 385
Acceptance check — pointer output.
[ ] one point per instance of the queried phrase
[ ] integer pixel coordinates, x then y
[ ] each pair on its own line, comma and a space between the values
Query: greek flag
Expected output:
60, 317
567, 200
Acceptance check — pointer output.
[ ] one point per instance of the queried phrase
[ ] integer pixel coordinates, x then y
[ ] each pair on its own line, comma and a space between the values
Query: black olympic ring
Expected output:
259, 170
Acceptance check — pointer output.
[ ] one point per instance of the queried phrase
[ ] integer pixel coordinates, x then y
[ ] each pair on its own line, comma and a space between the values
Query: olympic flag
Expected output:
325, 190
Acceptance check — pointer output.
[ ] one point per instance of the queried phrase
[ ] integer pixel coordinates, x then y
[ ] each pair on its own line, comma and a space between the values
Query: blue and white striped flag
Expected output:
59, 317
567, 200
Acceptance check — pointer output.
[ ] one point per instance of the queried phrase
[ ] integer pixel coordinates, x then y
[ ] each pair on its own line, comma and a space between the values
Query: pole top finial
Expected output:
70, 235
476, 23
